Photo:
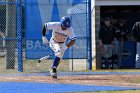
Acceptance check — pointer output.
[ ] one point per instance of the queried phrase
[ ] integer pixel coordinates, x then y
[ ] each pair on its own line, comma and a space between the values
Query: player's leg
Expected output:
53, 70
109, 53
56, 61
58, 55
104, 55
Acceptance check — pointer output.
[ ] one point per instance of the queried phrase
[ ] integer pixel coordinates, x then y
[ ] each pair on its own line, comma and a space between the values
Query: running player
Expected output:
60, 32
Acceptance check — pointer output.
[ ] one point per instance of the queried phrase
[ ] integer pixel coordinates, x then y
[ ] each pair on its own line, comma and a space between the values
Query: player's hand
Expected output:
44, 39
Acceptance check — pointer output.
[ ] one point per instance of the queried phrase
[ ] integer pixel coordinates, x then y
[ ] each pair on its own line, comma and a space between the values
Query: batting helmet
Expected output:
65, 21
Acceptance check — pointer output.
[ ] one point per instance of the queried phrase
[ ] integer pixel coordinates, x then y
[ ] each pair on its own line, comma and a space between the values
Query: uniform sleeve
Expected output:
51, 25
72, 34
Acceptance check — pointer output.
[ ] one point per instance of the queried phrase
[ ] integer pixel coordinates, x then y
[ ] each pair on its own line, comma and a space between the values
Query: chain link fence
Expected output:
20, 34
8, 36
38, 12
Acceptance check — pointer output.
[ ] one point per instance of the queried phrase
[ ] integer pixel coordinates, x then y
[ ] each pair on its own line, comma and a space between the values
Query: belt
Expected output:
58, 42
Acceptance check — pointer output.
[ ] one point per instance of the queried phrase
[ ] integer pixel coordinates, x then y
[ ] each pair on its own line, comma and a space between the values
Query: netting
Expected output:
8, 37
38, 12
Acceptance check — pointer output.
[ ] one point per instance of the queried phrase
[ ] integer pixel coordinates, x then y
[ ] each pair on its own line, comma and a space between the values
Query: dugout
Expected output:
130, 11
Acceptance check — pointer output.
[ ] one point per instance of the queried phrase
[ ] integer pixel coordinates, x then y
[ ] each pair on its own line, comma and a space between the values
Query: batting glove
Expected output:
44, 39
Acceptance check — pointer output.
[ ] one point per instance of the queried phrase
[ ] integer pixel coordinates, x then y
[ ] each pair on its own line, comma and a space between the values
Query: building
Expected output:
128, 9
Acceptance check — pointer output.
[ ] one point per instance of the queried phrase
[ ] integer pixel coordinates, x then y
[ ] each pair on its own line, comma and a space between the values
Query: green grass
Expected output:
31, 66
136, 81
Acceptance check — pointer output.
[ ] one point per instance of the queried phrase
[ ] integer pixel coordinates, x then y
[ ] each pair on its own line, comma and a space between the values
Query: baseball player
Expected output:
60, 32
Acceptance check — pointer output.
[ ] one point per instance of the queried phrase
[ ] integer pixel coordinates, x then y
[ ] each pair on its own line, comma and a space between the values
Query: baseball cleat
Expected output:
53, 72
54, 77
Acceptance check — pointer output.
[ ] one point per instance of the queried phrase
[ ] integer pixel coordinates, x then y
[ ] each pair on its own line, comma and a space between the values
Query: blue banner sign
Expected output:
38, 12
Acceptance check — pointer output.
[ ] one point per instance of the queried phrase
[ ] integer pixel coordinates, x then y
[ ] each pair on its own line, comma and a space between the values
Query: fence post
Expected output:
19, 35
90, 34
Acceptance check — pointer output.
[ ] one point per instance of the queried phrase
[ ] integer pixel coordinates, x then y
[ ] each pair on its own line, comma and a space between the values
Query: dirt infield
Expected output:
132, 81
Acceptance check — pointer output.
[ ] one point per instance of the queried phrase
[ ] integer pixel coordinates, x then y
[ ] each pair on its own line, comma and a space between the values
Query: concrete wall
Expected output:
96, 53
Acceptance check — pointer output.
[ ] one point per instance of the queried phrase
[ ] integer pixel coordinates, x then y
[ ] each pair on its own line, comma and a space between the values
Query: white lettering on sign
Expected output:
30, 44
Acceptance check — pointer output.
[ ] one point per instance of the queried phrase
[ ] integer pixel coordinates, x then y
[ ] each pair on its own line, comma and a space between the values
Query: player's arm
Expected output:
72, 38
44, 39
48, 26
71, 43
44, 31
